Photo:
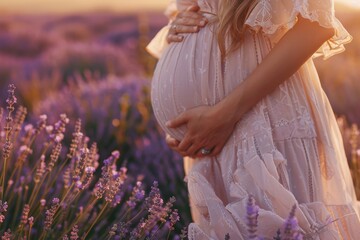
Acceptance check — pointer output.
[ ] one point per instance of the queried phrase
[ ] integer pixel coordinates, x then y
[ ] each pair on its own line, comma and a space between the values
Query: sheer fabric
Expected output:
276, 17
287, 150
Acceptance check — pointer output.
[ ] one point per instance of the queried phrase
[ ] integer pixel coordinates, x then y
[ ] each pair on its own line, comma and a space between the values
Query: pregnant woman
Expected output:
242, 99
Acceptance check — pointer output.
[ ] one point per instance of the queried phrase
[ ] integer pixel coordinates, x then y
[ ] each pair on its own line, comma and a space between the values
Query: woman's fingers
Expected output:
174, 38
176, 29
185, 29
199, 21
188, 148
186, 25
174, 145
193, 150
215, 151
191, 12
185, 144
172, 142
205, 135
193, 8
189, 21
182, 119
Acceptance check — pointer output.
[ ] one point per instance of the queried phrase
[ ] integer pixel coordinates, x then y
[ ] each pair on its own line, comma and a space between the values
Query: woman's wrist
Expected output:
227, 111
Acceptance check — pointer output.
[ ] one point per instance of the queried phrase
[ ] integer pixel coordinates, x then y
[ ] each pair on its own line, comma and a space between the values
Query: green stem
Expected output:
43, 235
152, 237
36, 189
2, 190
88, 207
29, 233
15, 181
134, 217
97, 218
57, 214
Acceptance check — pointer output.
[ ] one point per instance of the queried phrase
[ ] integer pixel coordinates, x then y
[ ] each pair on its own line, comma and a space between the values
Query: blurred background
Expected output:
86, 58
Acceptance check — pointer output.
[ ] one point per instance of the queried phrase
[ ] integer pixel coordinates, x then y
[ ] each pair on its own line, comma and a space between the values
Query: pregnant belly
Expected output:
187, 75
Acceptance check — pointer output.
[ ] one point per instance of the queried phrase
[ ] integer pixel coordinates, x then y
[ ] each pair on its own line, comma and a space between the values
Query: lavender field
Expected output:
81, 153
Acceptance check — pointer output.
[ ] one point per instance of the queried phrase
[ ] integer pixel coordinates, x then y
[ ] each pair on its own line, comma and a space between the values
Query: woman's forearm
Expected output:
290, 53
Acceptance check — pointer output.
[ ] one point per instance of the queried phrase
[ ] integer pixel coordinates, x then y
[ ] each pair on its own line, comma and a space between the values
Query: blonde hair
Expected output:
232, 17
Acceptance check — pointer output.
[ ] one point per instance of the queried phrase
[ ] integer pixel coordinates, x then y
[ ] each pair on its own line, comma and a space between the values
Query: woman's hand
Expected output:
188, 21
172, 142
207, 128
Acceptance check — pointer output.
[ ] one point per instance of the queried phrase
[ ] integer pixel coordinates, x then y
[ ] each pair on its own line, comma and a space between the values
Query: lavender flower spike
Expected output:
291, 227
137, 195
49, 214
252, 212
3, 209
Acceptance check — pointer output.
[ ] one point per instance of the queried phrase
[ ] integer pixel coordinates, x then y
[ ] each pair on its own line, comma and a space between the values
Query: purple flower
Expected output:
174, 218
74, 233
137, 195
291, 227
49, 214
3, 209
11, 100
25, 214
42, 202
3, 206
123, 230
183, 234
7, 235
54, 156
252, 212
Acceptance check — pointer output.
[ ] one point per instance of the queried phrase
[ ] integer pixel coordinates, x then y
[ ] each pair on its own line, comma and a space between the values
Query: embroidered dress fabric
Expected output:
287, 150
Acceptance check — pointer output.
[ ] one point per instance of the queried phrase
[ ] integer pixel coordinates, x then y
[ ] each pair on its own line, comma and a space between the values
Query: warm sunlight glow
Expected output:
62, 6
352, 3
65, 6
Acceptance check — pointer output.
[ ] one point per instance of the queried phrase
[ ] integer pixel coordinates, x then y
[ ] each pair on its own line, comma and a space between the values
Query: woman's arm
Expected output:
207, 126
292, 51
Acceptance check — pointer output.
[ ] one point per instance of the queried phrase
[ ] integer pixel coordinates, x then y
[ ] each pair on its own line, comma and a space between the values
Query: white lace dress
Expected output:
287, 150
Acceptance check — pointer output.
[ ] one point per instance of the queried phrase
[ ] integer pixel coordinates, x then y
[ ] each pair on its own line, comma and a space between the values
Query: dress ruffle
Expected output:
265, 177
276, 17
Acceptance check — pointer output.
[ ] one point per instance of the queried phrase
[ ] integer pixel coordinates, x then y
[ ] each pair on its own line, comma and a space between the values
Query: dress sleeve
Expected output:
275, 17
159, 43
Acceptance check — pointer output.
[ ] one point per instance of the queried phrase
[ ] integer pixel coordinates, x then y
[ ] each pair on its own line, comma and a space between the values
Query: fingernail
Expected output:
202, 23
196, 28
180, 37
167, 124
